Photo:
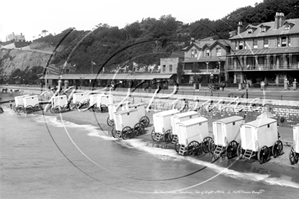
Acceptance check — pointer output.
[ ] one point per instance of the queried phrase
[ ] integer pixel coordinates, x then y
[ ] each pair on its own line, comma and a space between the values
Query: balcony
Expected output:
262, 67
202, 71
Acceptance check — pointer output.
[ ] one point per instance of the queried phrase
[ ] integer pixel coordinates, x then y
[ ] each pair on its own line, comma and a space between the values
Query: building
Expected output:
171, 64
16, 38
204, 60
265, 52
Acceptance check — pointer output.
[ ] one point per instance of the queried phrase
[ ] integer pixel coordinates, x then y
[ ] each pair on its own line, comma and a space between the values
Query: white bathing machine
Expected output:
226, 133
294, 154
19, 103
31, 101
80, 98
112, 109
59, 101
162, 127
140, 107
127, 124
260, 139
194, 137
180, 117
104, 100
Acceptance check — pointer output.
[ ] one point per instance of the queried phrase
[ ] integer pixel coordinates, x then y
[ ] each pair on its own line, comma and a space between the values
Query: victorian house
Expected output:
205, 60
265, 52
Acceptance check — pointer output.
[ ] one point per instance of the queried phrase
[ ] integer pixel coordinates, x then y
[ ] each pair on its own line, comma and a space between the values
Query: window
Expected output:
241, 45
283, 42
287, 26
218, 50
266, 43
164, 68
255, 43
278, 42
236, 45
170, 68
289, 41
250, 30
207, 53
263, 29
194, 53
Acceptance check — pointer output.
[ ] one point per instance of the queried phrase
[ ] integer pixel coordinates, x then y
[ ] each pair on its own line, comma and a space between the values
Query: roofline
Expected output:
247, 124
263, 36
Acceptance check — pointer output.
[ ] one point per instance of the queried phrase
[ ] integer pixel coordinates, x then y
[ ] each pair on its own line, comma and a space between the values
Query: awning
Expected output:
265, 51
208, 59
120, 76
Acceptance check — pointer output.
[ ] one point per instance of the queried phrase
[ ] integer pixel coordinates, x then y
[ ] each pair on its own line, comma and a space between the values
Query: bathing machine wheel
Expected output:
277, 149
127, 133
293, 156
110, 122
263, 155
145, 120
232, 149
194, 148
208, 143
139, 129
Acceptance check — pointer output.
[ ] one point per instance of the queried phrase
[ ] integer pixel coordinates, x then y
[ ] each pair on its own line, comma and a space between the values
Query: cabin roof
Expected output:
186, 114
193, 121
260, 122
169, 112
230, 119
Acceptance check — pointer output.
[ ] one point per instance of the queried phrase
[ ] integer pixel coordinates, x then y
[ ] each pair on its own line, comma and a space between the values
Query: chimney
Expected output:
239, 27
279, 19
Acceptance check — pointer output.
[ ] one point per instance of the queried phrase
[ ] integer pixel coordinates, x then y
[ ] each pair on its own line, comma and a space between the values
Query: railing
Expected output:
264, 67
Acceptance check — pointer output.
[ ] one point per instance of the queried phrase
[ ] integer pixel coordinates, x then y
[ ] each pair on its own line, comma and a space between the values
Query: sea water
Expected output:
46, 157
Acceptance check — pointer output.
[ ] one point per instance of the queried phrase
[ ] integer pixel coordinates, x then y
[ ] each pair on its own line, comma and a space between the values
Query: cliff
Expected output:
22, 58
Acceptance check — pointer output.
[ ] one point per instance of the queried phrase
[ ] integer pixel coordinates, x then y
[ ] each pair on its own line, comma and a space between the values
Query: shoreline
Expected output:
279, 165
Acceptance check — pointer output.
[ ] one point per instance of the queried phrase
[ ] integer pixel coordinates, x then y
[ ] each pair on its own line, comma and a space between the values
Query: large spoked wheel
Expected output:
139, 129
37, 107
263, 155
73, 106
208, 145
294, 157
114, 132
155, 136
19, 109
145, 120
56, 109
29, 109
127, 133
239, 151
109, 122
232, 149
194, 148
168, 136
14, 108
277, 148
177, 146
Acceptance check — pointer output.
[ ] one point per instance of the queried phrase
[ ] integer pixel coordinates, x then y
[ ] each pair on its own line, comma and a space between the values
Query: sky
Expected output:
30, 17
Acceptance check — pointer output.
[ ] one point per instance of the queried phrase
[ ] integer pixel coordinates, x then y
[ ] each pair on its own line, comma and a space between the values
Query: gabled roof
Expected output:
190, 46
270, 31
